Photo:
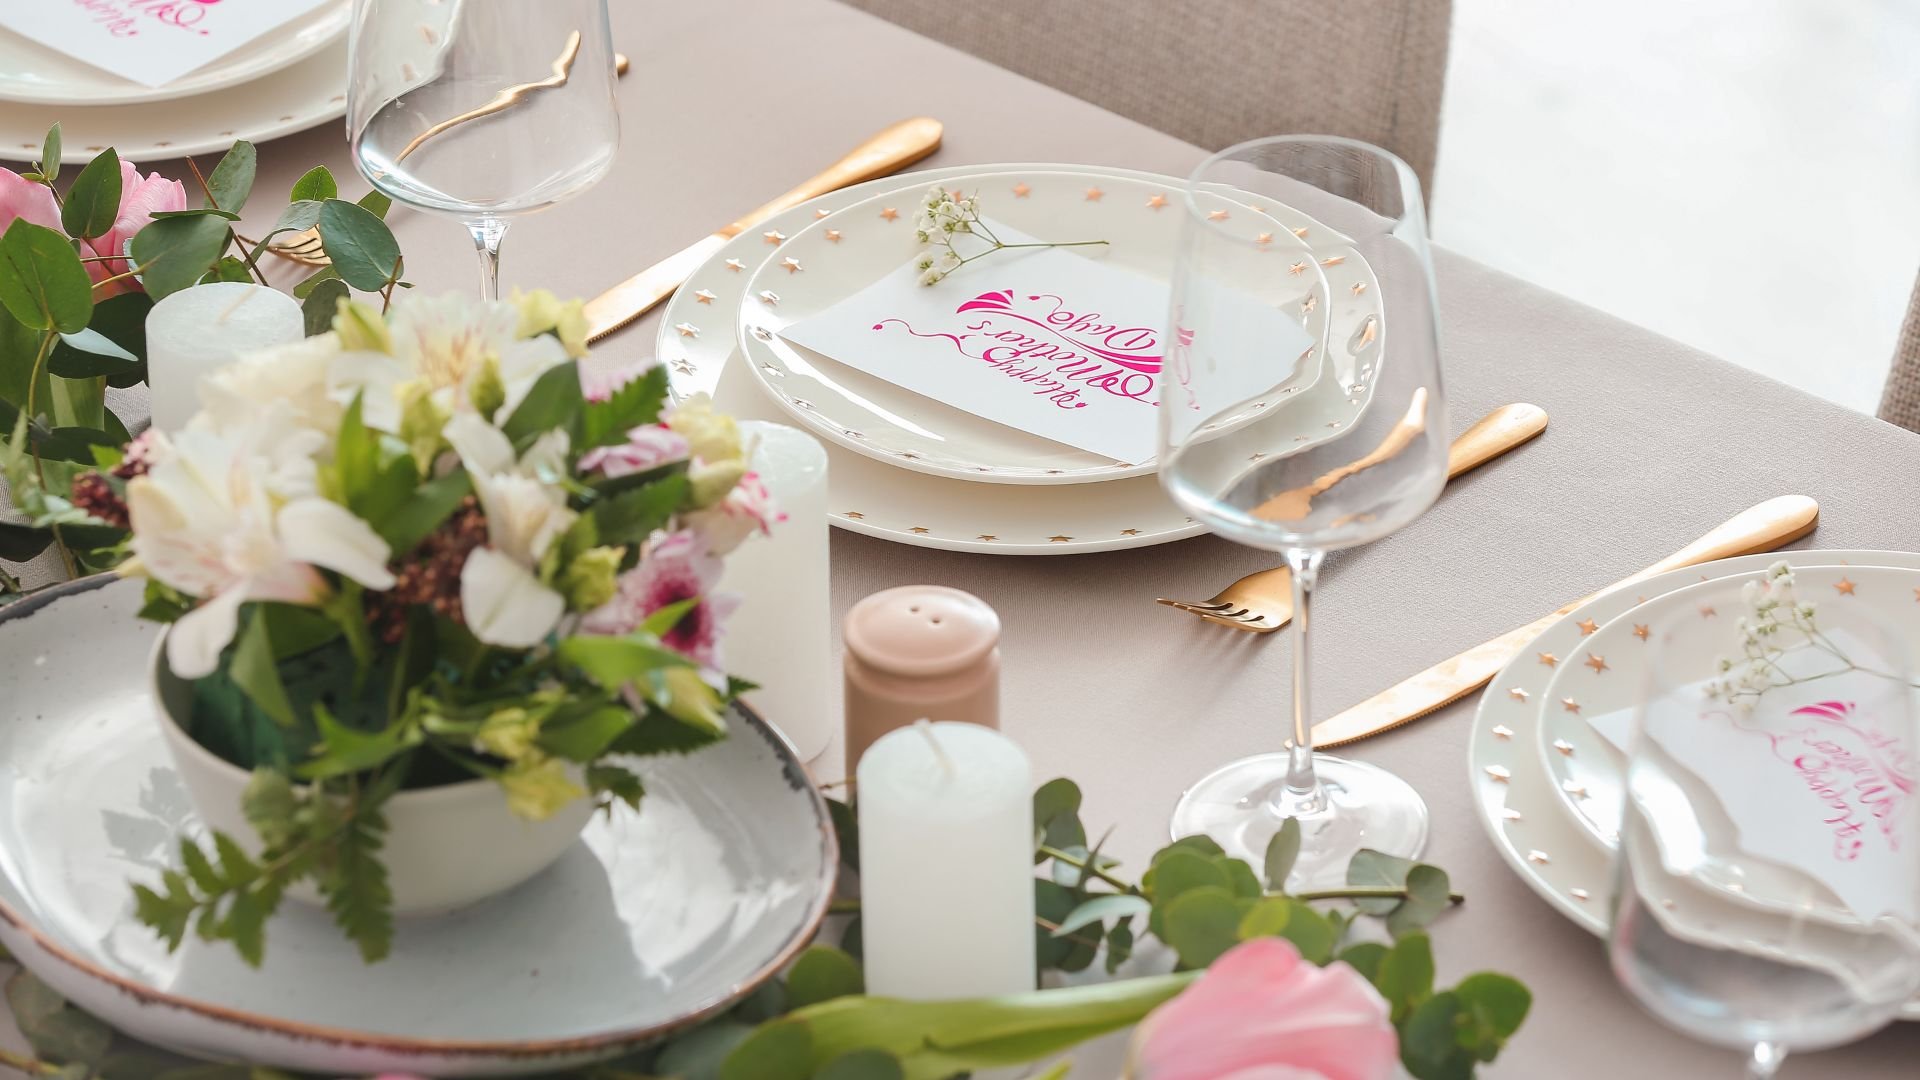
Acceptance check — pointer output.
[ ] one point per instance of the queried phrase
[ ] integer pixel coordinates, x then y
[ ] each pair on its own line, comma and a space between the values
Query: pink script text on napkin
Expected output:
123, 18
1860, 775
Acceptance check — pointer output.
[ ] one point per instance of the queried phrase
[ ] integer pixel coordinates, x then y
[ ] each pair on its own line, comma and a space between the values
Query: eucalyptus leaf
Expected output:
304, 288
1266, 918
1201, 924
1365, 958
50, 154
1427, 898
232, 180
1282, 851
1101, 908
320, 306
782, 1050
229, 268
1119, 944
1405, 977
42, 282
1427, 1045
196, 212
174, 253
315, 185
1374, 869
18, 542
823, 973
846, 829
93, 202
299, 216
1493, 1006
375, 203
361, 248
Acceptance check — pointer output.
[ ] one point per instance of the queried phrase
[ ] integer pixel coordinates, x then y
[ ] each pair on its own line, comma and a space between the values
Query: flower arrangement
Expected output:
947, 220
1778, 621
417, 550
81, 266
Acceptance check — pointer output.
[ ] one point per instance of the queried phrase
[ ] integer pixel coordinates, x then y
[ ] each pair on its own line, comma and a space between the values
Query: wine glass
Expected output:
1302, 446
482, 109
1719, 930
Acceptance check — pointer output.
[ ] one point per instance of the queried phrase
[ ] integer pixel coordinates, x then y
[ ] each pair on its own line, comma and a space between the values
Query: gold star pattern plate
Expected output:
896, 504
1552, 754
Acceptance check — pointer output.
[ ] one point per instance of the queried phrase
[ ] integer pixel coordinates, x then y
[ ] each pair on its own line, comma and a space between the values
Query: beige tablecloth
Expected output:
1651, 444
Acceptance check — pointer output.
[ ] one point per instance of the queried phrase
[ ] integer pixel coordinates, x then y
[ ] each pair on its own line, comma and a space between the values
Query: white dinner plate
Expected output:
33, 74
303, 95
1609, 670
1547, 846
696, 343
866, 240
652, 922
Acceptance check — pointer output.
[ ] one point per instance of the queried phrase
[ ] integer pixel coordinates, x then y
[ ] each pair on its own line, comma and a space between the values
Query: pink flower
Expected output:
1262, 1013
676, 567
140, 198
647, 447
22, 198
747, 509
599, 380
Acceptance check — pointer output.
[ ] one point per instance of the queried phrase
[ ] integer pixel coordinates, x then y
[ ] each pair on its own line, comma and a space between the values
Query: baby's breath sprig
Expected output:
1777, 622
945, 216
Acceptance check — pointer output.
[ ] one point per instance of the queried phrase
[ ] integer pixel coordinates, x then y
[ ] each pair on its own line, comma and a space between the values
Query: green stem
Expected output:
1092, 871
252, 256
39, 466
844, 907
1363, 892
114, 278
25, 1064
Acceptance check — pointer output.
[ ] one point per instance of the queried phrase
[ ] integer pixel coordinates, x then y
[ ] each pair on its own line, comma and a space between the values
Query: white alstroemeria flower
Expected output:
445, 347
228, 519
294, 376
503, 598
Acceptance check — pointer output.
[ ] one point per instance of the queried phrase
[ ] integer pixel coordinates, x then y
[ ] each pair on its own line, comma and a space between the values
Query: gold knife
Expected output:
888, 151
1762, 528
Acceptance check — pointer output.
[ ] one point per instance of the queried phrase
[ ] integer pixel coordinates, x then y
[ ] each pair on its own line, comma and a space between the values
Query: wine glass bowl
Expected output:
482, 111
1301, 446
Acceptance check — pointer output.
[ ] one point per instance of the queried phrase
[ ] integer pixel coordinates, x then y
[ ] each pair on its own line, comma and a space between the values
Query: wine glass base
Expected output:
1241, 805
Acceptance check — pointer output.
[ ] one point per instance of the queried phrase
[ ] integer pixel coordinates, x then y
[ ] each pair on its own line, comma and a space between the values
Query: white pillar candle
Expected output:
946, 863
197, 330
781, 635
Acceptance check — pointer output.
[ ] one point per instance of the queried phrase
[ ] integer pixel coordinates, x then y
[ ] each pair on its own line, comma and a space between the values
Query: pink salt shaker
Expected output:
919, 652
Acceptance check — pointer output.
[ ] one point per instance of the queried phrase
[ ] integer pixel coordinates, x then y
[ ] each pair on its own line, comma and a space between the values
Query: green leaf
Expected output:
1056, 815
553, 401
431, 504
1180, 871
1201, 924
375, 203
1492, 1008
1240, 878
318, 309
1266, 918
1119, 945
1204, 845
232, 180
586, 737
362, 249
606, 423
199, 869
196, 212
658, 733
229, 268
168, 913
632, 516
781, 1050
1100, 909
1374, 869
1052, 903
113, 343
1311, 932
270, 806
256, 671
868, 1064
299, 216
71, 1037
246, 924
50, 154
355, 885
698, 1054
667, 617
31, 1000
1428, 895
846, 829
1406, 974
173, 254
316, 185
42, 282
296, 629
1427, 1046
305, 286
346, 750
1282, 851
821, 974
619, 782
614, 662
373, 482
18, 543
94, 200
1365, 958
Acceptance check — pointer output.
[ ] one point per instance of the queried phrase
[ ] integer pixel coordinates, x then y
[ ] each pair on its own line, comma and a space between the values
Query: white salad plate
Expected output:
1547, 845
851, 248
34, 74
654, 921
1605, 677
299, 96
871, 497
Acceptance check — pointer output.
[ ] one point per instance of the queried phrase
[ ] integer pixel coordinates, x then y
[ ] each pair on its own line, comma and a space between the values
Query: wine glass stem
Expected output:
1303, 794
1766, 1060
487, 234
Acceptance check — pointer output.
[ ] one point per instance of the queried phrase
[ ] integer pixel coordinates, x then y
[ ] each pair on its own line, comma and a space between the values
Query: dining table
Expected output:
1650, 444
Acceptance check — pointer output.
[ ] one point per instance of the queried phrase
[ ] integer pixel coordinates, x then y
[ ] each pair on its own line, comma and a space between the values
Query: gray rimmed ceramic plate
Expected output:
653, 922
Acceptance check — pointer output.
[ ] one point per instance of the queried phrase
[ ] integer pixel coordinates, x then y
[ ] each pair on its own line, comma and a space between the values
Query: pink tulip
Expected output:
22, 198
140, 198
1262, 1013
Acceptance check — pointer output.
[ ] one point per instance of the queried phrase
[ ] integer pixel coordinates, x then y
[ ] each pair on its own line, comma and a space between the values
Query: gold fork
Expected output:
1262, 602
